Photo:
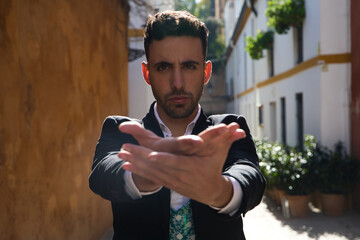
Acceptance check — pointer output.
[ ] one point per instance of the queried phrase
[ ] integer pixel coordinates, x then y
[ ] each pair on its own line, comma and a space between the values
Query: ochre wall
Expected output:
63, 69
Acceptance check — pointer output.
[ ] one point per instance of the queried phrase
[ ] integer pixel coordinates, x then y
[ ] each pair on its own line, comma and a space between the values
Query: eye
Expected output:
162, 67
190, 66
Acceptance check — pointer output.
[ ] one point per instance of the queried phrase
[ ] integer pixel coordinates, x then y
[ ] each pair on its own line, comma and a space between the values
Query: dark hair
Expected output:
174, 23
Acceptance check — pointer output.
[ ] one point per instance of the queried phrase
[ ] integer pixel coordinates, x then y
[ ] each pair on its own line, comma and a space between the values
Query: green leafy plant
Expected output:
283, 14
301, 172
298, 174
255, 46
337, 170
286, 168
270, 155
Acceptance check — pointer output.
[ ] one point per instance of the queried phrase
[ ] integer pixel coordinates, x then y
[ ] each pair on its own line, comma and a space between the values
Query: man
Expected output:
162, 184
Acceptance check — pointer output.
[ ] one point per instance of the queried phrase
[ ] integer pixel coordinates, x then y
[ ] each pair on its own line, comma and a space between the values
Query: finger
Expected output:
157, 174
235, 133
238, 134
169, 161
184, 145
138, 132
144, 158
187, 145
222, 141
128, 166
136, 161
148, 174
179, 145
130, 151
212, 132
233, 126
134, 157
232, 134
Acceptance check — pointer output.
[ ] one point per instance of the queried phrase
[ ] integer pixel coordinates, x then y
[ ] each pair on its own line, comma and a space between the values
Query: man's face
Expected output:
177, 73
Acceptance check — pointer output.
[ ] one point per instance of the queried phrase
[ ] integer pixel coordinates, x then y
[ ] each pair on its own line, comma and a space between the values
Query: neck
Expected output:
177, 126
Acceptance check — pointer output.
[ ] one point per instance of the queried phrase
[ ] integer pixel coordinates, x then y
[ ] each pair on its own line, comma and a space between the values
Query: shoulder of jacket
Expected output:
225, 118
120, 119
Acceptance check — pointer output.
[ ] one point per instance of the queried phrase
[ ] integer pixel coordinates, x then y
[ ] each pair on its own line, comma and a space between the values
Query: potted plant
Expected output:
356, 188
299, 177
263, 149
296, 177
271, 156
255, 46
283, 14
336, 172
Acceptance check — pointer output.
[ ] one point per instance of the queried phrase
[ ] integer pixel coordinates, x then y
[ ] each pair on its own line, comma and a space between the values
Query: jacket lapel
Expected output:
201, 124
150, 122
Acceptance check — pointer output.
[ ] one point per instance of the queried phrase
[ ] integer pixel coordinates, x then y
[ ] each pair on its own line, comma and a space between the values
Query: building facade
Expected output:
302, 86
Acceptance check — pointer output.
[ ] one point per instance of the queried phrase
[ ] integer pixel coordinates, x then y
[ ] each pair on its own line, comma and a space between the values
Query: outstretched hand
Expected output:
186, 145
190, 165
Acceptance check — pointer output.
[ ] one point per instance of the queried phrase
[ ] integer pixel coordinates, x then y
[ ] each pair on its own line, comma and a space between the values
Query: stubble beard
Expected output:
179, 111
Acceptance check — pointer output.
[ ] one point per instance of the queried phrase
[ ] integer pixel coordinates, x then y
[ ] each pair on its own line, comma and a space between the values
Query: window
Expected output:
271, 61
245, 64
300, 121
272, 122
283, 120
231, 88
298, 44
261, 115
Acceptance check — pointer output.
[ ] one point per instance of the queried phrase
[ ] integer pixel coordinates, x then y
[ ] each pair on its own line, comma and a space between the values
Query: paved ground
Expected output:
266, 222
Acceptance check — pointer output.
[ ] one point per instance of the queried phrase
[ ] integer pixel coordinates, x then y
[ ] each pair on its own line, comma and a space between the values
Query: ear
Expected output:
145, 72
208, 68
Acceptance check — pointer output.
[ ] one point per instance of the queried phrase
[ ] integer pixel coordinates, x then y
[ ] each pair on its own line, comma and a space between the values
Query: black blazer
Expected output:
148, 217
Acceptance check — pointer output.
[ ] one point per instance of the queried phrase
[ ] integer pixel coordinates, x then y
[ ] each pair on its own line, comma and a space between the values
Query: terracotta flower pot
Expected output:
333, 204
279, 195
271, 193
299, 205
316, 199
356, 197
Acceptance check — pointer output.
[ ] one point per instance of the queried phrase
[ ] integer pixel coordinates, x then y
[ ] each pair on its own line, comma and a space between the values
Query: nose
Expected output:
177, 79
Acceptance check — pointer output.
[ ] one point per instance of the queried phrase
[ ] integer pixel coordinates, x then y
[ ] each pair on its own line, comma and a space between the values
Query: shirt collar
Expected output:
166, 131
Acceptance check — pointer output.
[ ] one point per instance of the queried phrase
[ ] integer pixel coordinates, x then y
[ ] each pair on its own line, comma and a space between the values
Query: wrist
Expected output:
143, 184
224, 195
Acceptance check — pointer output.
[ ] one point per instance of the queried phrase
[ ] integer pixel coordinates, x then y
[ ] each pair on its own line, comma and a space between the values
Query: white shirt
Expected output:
177, 200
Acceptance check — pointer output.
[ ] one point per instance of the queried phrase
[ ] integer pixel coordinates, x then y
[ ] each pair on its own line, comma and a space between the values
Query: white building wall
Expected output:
335, 38
238, 4
335, 98
140, 94
229, 20
311, 30
325, 88
283, 52
335, 80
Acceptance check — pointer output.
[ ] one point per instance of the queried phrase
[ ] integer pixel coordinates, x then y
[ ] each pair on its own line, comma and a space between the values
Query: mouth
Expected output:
178, 99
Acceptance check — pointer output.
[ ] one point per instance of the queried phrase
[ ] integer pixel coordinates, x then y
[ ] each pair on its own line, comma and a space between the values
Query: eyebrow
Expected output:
183, 63
190, 62
161, 63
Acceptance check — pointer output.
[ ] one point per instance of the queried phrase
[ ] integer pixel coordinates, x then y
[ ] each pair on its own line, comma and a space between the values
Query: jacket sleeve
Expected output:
107, 176
242, 163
